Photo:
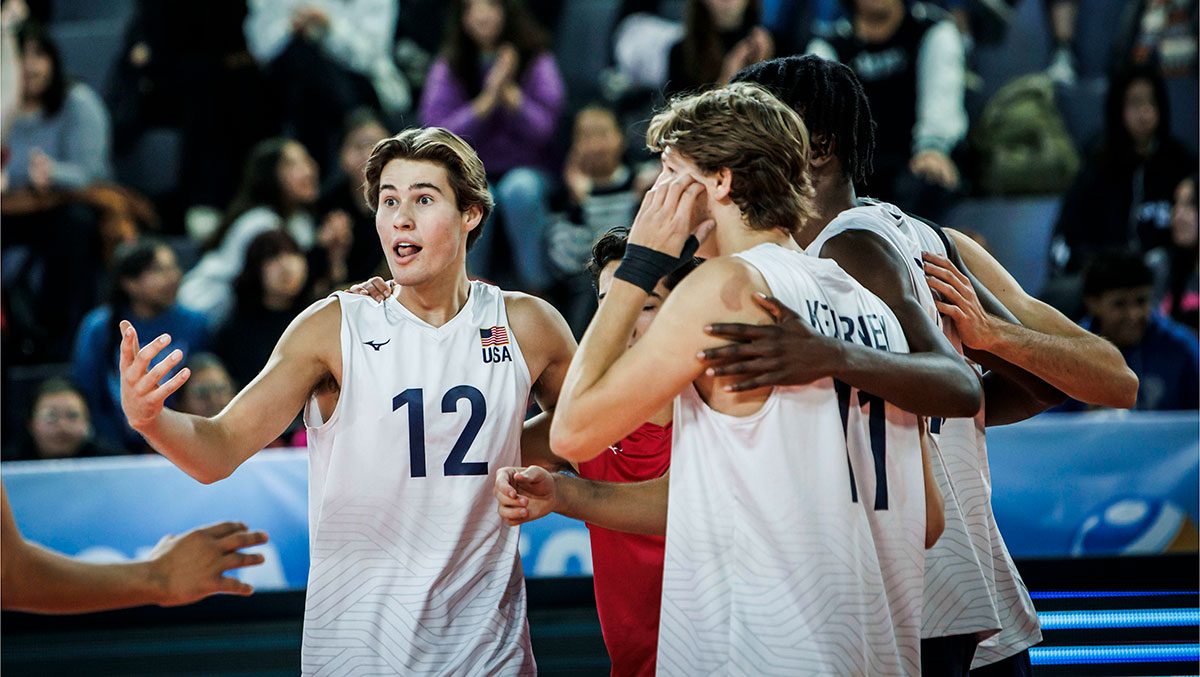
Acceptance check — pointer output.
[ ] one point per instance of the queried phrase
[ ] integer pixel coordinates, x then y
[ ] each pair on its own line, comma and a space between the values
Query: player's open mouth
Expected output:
405, 250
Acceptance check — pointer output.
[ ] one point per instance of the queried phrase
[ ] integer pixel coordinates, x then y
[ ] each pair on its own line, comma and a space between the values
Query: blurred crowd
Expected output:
273, 107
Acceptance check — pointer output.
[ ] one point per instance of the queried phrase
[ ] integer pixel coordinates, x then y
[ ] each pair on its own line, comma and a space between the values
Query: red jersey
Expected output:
627, 569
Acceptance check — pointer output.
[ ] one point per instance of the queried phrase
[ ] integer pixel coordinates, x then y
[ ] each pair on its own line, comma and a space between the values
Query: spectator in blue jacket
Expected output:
1165, 355
146, 280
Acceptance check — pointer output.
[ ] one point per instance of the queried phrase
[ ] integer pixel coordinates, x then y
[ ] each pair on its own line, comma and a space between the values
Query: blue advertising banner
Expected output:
1104, 483
1063, 485
115, 509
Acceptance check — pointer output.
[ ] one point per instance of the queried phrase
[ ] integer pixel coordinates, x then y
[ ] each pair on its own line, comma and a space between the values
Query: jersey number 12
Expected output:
454, 465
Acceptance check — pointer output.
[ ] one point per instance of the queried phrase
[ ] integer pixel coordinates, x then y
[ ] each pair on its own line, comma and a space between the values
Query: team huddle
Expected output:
774, 425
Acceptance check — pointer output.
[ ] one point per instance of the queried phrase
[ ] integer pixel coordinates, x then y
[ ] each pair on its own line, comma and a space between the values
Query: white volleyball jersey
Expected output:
795, 534
960, 594
412, 571
1020, 627
972, 585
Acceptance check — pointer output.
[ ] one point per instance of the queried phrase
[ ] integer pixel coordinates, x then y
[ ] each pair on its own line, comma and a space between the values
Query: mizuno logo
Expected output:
375, 345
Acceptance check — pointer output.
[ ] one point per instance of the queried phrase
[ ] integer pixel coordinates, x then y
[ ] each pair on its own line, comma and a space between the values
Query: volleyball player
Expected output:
410, 405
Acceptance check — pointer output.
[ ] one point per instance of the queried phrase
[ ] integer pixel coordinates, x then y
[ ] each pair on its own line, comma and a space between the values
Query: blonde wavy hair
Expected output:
762, 141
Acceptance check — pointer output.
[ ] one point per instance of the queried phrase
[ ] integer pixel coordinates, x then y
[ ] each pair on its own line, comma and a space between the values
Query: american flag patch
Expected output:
493, 336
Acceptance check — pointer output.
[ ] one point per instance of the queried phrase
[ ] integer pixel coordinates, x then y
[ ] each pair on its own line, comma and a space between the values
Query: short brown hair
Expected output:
435, 144
762, 141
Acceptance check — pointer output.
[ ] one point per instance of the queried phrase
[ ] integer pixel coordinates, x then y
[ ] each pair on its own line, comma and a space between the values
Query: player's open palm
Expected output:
786, 353
525, 494
143, 389
192, 566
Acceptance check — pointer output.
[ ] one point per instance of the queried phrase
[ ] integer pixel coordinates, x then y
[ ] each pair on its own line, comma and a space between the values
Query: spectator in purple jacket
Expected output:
496, 85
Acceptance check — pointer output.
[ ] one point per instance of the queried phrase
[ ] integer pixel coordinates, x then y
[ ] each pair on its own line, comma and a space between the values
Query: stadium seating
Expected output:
1017, 230
151, 166
90, 50
65, 11
583, 48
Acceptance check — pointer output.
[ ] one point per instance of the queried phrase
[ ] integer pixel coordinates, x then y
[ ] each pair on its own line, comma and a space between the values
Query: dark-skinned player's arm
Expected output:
548, 346
1011, 394
931, 360
1046, 342
609, 390
527, 494
180, 570
210, 449
935, 504
930, 380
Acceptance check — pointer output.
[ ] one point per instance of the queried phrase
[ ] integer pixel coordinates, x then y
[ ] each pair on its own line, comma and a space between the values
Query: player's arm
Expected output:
610, 391
527, 494
931, 376
1046, 343
180, 570
210, 449
548, 346
1011, 393
935, 505
931, 380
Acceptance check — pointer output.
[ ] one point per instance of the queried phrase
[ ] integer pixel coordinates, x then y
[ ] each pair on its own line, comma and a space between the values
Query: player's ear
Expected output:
822, 151
724, 184
472, 216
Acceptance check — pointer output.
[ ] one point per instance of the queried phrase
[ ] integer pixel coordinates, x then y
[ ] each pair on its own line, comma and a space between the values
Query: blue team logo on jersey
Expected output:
494, 342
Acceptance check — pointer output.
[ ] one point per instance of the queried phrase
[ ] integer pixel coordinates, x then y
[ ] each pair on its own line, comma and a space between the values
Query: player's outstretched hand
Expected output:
785, 353
192, 566
375, 287
525, 494
959, 302
142, 389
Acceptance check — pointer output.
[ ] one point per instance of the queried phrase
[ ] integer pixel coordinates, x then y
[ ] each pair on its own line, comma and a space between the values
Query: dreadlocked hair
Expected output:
830, 99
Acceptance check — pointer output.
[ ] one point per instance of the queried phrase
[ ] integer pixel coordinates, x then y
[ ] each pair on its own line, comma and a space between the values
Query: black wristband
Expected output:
644, 267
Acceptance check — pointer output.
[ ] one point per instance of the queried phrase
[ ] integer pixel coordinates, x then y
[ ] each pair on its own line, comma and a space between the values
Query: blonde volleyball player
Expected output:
777, 498
410, 404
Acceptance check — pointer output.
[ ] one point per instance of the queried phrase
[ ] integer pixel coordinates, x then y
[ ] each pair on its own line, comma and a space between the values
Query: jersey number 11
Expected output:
877, 423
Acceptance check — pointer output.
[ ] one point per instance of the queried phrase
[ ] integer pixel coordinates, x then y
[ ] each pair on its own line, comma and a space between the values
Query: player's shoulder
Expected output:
868, 216
874, 263
345, 299
717, 273
314, 336
321, 319
866, 248
535, 322
718, 287
528, 310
